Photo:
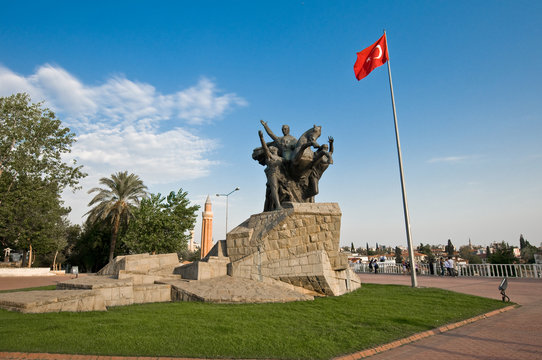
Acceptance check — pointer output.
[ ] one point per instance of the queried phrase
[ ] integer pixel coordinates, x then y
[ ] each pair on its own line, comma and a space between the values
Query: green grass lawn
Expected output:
319, 329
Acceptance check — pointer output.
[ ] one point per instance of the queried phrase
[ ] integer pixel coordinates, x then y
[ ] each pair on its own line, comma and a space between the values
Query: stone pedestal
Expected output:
298, 245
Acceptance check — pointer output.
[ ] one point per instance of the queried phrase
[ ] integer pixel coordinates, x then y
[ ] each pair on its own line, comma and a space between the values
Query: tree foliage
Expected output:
450, 249
187, 255
32, 143
466, 253
116, 202
426, 250
527, 250
161, 224
33, 174
89, 248
398, 255
503, 254
32, 214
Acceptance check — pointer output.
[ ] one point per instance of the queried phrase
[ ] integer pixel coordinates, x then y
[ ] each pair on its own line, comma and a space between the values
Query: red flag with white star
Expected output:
371, 58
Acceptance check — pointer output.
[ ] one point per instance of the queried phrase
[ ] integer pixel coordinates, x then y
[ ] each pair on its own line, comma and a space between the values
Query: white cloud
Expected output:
119, 100
450, 159
120, 124
156, 157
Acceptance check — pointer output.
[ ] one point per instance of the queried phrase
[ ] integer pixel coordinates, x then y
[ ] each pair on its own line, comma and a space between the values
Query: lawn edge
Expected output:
421, 335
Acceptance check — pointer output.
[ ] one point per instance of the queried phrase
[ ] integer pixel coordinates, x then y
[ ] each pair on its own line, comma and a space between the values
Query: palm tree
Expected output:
116, 202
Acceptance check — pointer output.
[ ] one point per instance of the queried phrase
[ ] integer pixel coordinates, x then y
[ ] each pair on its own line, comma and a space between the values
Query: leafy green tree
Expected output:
426, 250
186, 255
450, 249
503, 254
89, 249
161, 224
32, 217
369, 251
521, 242
33, 174
398, 255
527, 250
32, 144
466, 253
116, 203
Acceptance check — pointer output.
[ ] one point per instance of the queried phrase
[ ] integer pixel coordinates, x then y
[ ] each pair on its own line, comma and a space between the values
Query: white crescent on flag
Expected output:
379, 55
376, 57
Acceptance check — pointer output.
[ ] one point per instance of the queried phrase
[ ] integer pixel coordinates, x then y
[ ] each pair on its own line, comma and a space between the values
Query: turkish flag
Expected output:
371, 58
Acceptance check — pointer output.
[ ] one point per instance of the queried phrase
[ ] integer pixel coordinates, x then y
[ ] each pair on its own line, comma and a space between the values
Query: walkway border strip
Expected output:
357, 355
442, 329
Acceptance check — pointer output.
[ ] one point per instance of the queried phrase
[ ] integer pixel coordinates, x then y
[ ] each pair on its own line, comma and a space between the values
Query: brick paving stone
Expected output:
514, 334
21, 282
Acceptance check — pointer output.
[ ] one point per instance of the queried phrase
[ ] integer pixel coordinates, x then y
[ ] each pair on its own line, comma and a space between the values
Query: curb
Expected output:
418, 336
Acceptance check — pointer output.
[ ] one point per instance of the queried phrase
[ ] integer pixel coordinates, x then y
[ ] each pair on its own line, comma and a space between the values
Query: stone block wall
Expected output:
212, 267
298, 245
116, 296
140, 263
152, 293
82, 303
311, 271
297, 229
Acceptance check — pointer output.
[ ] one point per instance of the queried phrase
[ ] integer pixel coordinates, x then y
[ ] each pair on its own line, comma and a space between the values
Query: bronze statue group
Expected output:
293, 168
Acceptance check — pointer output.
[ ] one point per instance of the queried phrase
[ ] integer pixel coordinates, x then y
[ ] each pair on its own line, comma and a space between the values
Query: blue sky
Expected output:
174, 91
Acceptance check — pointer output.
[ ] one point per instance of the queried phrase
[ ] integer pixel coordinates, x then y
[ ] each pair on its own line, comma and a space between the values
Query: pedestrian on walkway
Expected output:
449, 264
375, 265
441, 263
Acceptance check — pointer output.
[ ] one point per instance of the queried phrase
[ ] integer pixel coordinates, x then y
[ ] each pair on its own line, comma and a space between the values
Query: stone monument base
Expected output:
298, 245
277, 256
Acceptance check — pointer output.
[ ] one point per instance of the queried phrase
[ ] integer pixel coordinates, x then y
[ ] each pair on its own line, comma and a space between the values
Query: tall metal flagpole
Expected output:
405, 206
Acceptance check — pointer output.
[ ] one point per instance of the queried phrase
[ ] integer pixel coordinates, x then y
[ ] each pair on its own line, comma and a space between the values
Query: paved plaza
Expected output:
514, 334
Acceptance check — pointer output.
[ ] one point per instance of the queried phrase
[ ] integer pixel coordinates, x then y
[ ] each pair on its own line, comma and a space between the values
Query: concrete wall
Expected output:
25, 272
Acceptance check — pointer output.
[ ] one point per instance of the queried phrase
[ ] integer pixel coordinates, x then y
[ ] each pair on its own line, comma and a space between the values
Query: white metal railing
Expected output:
466, 270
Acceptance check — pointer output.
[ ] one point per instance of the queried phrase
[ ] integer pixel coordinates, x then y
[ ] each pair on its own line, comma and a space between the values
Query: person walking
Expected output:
449, 264
375, 265
441, 264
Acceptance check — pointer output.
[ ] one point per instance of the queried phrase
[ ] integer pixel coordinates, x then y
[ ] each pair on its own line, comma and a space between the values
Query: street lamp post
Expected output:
227, 196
